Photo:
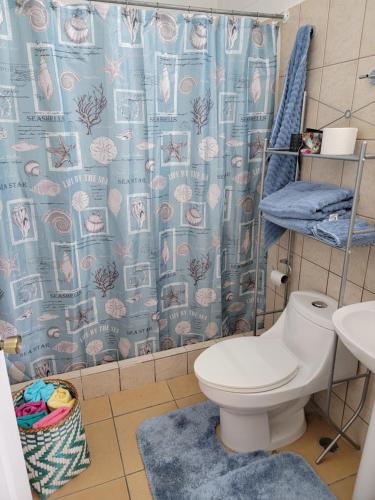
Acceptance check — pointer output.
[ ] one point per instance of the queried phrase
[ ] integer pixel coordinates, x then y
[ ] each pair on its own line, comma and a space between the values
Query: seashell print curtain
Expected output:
129, 163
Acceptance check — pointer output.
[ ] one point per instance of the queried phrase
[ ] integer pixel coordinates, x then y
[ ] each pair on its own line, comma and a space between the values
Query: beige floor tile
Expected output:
114, 490
336, 466
138, 486
101, 383
140, 397
127, 426
343, 490
187, 385
95, 410
105, 459
191, 400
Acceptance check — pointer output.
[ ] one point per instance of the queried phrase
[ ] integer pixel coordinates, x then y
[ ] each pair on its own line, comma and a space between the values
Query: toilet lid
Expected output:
247, 364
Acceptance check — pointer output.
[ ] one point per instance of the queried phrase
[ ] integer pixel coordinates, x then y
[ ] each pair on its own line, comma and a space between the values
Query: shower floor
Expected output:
117, 470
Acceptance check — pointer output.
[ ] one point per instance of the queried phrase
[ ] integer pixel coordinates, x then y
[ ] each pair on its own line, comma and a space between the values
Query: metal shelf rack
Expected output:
360, 160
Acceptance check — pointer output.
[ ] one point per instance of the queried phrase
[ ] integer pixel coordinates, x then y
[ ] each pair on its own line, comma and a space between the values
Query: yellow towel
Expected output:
60, 397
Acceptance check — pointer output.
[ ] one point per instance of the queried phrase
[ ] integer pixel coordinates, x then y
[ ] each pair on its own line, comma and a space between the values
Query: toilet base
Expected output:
243, 432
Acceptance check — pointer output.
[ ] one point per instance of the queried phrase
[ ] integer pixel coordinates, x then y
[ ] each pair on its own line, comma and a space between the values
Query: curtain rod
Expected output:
224, 12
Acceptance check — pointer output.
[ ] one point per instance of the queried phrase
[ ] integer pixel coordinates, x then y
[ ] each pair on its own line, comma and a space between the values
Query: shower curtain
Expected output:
130, 148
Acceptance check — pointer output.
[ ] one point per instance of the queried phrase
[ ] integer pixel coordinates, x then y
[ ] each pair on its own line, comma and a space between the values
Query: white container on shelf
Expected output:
339, 141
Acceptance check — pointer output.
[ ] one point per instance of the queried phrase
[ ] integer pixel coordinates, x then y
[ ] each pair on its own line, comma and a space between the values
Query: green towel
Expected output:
27, 421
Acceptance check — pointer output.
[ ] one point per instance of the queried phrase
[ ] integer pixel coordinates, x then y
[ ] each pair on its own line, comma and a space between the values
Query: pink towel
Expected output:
30, 408
53, 418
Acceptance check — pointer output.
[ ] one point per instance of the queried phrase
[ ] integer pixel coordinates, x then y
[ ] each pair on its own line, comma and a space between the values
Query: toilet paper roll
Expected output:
339, 141
278, 278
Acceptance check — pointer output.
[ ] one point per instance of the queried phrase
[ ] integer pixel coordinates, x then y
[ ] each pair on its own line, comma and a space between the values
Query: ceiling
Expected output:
269, 6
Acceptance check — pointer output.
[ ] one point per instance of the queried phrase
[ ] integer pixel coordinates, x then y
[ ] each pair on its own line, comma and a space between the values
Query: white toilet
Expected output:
262, 384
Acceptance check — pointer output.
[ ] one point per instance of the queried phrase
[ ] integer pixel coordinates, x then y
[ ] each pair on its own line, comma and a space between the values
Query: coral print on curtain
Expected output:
130, 148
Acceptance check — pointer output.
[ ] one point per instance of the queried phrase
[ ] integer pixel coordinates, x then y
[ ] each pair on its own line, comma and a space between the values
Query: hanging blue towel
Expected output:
305, 200
38, 391
281, 169
336, 232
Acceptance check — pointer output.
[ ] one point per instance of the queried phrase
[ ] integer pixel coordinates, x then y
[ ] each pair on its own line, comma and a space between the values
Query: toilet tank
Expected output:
309, 332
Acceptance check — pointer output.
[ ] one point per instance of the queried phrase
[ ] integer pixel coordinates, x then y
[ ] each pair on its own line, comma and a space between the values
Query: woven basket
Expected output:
57, 453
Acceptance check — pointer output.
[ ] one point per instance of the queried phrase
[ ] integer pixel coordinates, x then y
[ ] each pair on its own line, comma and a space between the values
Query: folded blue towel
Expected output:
305, 200
336, 232
38, 391
299, 225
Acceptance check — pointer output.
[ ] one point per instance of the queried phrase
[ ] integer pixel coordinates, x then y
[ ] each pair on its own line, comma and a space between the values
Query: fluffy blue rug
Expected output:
184, 460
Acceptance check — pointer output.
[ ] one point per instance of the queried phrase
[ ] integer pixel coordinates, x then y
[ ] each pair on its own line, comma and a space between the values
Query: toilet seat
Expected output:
247, 365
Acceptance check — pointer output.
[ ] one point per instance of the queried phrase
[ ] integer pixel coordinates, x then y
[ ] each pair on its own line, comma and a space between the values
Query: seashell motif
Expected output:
228, 283
23, 146
211, 330
87, 262
66, 268
46, 188
94, 223
183, 249
76, 28
151, 302
102, 9
167, 343
162, 323
183, 193
94, 347
219, 74
165, 211
66, 346
37, 14
165, 254
150, 165
257, 36
3, 133
68, 79
103, 150
32, 167
232, 30
187, 84
237, 161
229, 296
243, 178
155, 316
20, 217
114, 201
165, 85
246, 203
213, 195
234, 143
25, 315
205, 296
7, 329
17, 371
193, 216
44, 79
215, 240
236, 307
115, 308
144, 146
134, 299
126, 135
183, 327
124, 347
158, 183
167, 26
61, 220
256, 86
208, 148
198, 36
80, 200
47, 316
130, 16
242, 325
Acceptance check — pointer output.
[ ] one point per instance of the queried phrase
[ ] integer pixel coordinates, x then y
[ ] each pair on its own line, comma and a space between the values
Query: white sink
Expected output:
355, 325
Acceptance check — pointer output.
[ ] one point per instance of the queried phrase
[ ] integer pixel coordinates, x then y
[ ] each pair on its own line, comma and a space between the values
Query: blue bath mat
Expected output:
184, 460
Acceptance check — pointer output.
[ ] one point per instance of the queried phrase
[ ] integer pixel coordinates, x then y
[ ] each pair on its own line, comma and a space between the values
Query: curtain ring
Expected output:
211, 17
53, 5
90, 9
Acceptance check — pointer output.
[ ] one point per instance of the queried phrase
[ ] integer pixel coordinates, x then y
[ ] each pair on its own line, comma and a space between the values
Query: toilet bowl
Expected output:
262, 384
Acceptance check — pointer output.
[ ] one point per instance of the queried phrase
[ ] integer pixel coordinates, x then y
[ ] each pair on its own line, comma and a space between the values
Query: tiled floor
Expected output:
117, 472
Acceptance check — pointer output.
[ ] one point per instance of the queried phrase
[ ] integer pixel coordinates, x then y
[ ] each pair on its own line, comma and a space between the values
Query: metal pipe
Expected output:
206, 10
349, 422
259, 236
